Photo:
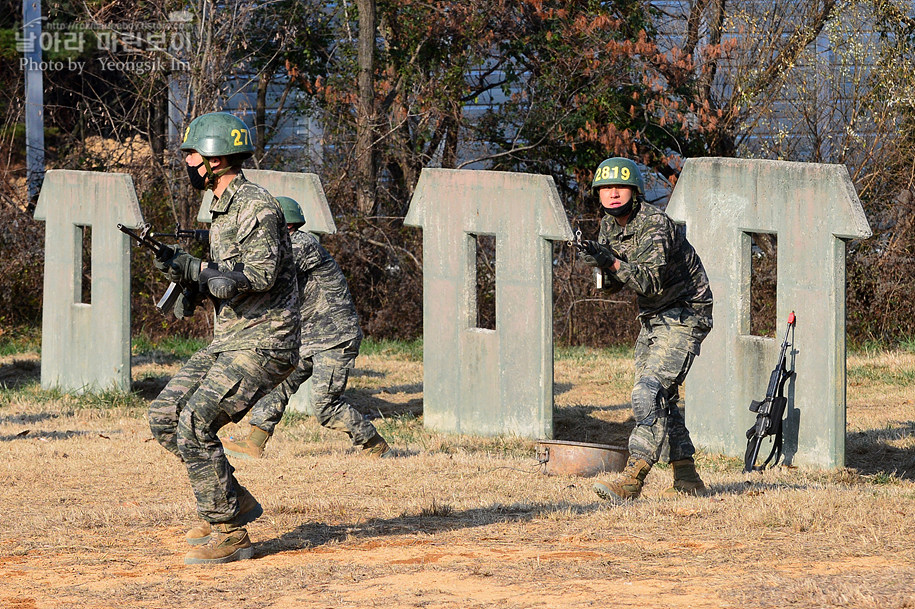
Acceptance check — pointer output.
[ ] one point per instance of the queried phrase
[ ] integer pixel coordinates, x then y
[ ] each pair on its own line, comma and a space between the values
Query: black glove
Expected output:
187, 303
183, 268
595, 254
224, 284
164, 257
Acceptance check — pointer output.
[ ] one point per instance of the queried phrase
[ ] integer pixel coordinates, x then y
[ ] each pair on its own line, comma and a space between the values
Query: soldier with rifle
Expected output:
641, 248
330, 343
251, 278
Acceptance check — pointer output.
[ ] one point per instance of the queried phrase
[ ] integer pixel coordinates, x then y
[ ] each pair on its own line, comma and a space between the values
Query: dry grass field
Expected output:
94, 511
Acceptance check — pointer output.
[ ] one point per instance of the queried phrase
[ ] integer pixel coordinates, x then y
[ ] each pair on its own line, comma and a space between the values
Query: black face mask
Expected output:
622, 210
198, 181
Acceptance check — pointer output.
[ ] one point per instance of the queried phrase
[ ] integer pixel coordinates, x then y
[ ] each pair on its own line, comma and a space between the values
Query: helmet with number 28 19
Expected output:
619, 171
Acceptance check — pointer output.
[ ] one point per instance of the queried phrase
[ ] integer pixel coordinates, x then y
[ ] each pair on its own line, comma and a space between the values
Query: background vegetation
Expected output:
534, 85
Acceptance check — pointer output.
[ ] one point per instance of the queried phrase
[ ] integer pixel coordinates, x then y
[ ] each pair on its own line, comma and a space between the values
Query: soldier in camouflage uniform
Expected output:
641, 248
330, 343
251, 280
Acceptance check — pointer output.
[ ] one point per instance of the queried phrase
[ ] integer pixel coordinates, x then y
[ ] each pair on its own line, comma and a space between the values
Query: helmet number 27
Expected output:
238, 137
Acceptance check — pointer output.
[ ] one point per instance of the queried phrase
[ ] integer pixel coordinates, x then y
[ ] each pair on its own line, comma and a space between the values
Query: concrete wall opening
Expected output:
84, 276
485, 281
763, 283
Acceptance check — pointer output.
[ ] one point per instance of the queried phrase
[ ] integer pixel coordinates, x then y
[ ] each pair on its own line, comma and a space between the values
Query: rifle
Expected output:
577, 242
582, 246
201, 236
770, 410
162, 253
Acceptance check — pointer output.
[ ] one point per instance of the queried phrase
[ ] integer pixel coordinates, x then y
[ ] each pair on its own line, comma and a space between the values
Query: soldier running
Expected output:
330, 343
641, 248
251, 278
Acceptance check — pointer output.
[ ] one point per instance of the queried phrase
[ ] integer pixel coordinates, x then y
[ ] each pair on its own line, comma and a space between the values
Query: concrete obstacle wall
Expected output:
812, 209
85, 346
307, 190
476, 380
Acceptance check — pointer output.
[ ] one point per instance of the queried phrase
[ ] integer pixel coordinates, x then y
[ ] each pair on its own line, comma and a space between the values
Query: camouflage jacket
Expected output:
328, 313
656, 262
249, 229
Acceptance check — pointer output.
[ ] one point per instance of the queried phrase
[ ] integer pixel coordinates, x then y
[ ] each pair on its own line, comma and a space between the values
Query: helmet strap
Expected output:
622, 210
211, 176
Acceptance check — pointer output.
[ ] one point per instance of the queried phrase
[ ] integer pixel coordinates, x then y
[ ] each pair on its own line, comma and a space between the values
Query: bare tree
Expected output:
365, 110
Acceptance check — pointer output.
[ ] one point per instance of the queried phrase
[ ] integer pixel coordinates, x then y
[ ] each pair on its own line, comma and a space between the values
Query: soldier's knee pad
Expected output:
649, 400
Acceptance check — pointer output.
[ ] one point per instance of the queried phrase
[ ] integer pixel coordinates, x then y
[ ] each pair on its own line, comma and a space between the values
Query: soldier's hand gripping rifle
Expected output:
599, 256
162, 253
769, 411
593, 253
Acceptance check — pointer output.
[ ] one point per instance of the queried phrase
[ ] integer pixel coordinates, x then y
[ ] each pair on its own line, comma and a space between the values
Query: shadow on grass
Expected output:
149, 388
28, 419
46, 435
751, 486
579, 424
19, 373
560, 388
157, 357
371, 402
870, 453
366, 373
439, 520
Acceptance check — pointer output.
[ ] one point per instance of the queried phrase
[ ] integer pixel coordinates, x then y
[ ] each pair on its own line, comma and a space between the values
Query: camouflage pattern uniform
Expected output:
330, 343
254, 347
675, 310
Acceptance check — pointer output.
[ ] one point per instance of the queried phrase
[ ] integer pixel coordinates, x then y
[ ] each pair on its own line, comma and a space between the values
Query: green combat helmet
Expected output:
619, 171
291, 210
219, 134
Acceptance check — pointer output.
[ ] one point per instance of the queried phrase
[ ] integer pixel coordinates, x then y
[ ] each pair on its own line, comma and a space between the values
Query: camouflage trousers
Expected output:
664, 352
329, 373
210, 390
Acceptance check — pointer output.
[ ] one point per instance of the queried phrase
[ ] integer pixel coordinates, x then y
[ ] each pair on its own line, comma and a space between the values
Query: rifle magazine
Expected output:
168, 300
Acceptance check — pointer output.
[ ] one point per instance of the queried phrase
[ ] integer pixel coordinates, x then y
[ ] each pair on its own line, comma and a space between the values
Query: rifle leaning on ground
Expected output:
769, 411
162, 253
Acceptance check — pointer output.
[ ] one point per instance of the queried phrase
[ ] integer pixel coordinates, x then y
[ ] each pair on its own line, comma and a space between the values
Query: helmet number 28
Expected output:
238, 137
608, 173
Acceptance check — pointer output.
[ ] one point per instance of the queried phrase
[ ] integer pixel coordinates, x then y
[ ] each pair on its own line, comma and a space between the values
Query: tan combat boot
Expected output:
251, 447
249, 510
228, 543
686, 479
626, 486
377, 448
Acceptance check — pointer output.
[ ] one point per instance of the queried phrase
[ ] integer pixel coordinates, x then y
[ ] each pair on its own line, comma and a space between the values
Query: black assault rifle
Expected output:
769, 411
201, 236
162, 253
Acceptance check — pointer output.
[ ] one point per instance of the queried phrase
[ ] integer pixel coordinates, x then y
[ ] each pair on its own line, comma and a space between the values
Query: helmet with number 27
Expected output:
619, 171
218, 134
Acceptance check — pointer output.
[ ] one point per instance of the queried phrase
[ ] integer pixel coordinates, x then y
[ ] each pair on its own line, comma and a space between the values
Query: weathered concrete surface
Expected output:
307, 190
86, 347
812, 208
480, 381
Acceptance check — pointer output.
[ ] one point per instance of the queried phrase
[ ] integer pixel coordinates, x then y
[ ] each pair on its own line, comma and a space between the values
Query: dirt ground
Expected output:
94, 511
